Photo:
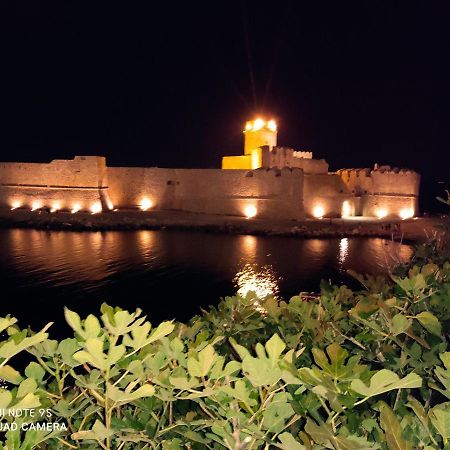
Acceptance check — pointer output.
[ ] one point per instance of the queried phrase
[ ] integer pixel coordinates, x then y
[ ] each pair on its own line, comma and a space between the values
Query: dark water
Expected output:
169, 274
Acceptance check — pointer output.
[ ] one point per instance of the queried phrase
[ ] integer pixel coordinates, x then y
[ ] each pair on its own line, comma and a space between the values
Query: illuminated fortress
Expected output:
267, 181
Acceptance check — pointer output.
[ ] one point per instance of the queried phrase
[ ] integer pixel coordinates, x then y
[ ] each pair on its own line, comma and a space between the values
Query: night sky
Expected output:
172, 85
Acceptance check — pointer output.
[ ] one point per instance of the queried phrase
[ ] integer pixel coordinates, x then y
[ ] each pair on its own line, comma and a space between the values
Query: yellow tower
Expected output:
257, 134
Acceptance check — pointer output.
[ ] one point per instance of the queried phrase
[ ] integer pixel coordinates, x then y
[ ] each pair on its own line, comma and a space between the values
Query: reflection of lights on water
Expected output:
261, 281
343, 250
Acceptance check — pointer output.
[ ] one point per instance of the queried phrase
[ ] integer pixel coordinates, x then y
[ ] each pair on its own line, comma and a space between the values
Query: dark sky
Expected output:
172, 84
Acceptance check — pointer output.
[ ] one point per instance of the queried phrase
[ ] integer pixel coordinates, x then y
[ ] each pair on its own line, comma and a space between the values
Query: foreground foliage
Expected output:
348, 370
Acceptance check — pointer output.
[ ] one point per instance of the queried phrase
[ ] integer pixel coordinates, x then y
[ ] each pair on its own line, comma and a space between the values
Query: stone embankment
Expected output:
418, 229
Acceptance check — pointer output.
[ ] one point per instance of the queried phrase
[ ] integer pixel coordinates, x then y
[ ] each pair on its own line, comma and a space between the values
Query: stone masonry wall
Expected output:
79, 183
276, 194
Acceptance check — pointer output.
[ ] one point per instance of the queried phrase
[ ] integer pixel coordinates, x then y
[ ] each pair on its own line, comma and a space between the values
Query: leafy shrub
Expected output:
348, 370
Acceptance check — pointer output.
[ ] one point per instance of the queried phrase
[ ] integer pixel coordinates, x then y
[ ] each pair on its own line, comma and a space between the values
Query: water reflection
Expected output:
262, 281
343, 250
172, 273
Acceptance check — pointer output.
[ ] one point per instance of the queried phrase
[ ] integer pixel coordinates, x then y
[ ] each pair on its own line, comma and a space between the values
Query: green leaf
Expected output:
5, 398
29, 401
323, 434
201, 366
393, 429
11, 348
440, 418
10, 375
430, 322
27, 386
67, 348
34, 370
288, 442
384, 381
6, 322
73, 319
274, 348
98, 433
400, 324
127, 396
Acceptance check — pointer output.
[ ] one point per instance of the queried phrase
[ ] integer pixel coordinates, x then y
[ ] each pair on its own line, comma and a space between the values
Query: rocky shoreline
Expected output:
418, 229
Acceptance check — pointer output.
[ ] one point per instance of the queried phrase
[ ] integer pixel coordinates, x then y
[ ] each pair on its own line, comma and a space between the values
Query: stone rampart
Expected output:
61, 184
383, 191
327, 191
274, 193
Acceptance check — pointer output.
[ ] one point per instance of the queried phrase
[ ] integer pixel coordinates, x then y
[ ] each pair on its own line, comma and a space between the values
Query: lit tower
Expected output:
259, 132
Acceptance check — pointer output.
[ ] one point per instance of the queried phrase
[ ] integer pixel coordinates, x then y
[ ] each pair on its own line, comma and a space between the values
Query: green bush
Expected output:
348, 370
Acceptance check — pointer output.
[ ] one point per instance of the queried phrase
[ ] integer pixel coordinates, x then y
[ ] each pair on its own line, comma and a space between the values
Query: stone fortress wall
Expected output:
85, 183
383, 191
272, 182
273, 193
69, 184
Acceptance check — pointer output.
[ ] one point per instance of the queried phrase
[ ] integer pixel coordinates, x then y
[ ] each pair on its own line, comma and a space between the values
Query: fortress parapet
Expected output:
384, 191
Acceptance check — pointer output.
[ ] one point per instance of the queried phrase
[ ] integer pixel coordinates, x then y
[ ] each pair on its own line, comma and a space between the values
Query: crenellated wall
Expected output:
286, 157
384, 191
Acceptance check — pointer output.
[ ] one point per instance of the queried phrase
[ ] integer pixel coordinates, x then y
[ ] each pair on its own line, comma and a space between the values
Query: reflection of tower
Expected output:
259, 133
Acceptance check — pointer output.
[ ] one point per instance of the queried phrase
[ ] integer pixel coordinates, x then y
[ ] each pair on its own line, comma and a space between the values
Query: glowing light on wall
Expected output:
37, 204
145, 204
55, 207
250, 211
109, 204
96, 208
406, 213
15, 204
346, 209
381, 213
75, 208
318, 211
